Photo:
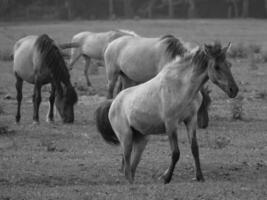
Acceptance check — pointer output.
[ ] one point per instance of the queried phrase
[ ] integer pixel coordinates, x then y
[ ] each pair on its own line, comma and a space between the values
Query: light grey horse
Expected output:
158, 105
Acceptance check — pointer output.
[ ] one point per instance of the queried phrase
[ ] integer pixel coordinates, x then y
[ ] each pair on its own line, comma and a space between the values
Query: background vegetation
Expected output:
103, 9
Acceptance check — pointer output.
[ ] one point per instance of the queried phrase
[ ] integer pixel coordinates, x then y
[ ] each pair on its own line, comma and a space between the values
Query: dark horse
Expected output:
38, 60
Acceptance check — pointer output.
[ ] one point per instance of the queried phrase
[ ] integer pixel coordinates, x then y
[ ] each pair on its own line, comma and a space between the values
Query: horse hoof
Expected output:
91, 90
34, 123
50, 121
121, 170
163, 178
198, 179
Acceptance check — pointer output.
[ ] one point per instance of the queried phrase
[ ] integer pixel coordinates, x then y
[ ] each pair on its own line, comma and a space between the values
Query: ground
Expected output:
56, 161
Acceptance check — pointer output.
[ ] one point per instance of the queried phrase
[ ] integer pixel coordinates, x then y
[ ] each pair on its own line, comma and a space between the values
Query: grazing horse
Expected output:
158, 105
38, 60
139, 58
92, 45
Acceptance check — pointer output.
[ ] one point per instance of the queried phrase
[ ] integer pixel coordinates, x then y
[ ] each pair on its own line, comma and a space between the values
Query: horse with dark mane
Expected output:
134, 60
38, 60
139, 58
160, 104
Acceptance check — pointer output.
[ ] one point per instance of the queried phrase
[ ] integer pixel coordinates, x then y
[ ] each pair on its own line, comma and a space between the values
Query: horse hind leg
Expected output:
36, 101
50, 114
191, 131
86, 69
19, 84
139, 144
112, 79
126, 141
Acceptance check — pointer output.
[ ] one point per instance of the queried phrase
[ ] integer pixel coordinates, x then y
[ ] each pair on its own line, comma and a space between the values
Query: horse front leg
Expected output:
171, 132
19, 84
191, 131
50, 115
36, 101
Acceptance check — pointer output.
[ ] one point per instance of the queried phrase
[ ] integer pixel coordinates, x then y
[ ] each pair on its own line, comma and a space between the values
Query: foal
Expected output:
38, 60
158, 105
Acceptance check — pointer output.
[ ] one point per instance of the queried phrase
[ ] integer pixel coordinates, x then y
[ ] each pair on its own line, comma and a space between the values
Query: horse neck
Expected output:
64, 77
196, 74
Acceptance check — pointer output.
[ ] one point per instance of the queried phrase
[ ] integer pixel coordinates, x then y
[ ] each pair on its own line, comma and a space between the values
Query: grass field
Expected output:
56, 161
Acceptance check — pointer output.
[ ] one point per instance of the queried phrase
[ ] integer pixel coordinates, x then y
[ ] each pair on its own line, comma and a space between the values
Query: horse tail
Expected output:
75, 55
69, 45
75, 52
103, 124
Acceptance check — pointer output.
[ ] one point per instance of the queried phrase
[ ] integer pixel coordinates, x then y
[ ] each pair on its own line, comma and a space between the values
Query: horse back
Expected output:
23, 58
138, 58
93, 44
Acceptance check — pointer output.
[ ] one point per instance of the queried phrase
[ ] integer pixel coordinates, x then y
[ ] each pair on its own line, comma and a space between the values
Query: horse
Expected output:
92, 45
131, 61
160, 104
139, 58
38, 61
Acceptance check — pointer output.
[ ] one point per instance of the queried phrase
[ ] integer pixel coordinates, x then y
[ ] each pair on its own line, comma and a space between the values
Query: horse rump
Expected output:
103, 124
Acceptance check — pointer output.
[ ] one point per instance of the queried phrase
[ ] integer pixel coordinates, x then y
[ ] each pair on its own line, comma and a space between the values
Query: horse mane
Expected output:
51, 57
200, 57
174, 46
127, 32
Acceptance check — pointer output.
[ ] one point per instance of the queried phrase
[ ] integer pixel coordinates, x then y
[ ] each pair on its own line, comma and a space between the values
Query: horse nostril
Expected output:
231, 90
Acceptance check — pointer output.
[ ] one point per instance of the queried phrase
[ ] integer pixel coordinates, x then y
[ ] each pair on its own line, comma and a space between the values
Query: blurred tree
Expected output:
150, 6
232, 8
128, 9
68, 7
192, 9
245, 6
111, 9
170, 8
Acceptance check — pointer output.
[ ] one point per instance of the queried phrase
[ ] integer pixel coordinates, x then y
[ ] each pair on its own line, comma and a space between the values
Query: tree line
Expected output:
104, 9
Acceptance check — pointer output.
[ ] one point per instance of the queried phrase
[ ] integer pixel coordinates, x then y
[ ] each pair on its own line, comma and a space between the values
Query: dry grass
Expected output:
237, 108
58, 161
6, 55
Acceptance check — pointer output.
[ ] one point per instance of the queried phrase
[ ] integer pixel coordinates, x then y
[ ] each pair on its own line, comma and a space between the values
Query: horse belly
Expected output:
150, 128
146, 119
93, 48
139, 68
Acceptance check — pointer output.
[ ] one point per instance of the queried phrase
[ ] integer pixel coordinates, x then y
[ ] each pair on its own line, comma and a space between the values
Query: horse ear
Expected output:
225, 49
208, 50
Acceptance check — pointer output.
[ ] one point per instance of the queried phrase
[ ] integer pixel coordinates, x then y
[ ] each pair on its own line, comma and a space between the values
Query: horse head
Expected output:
65, 100
219, 69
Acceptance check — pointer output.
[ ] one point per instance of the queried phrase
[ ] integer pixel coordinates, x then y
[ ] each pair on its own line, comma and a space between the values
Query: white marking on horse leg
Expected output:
50, 114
